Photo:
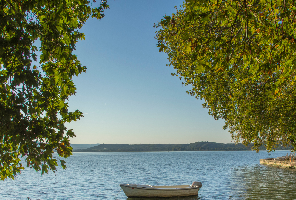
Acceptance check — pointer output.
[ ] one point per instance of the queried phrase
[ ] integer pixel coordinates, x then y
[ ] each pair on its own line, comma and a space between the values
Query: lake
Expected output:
224, 175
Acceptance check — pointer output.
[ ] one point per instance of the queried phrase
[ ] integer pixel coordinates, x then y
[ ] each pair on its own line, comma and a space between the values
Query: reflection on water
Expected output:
261, 182
171, 198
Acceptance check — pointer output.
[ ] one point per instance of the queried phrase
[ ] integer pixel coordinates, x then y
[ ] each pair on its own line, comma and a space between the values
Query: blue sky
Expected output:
128, 95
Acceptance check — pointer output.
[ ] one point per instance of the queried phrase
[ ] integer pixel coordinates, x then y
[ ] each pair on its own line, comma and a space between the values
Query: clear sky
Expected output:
128, 95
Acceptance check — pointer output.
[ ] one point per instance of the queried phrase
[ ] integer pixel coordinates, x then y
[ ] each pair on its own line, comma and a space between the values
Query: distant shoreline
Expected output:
197, 146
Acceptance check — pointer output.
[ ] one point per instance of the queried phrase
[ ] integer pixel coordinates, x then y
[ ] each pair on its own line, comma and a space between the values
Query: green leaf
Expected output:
241, 61
32, 98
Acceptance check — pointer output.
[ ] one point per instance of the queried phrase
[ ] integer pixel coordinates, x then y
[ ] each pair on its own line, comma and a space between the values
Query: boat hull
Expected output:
158, 191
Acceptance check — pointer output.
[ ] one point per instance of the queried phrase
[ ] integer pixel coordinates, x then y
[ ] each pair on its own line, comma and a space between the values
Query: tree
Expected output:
34, 97
239, 56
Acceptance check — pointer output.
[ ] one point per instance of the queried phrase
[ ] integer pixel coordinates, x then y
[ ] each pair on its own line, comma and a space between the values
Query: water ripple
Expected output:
225, 175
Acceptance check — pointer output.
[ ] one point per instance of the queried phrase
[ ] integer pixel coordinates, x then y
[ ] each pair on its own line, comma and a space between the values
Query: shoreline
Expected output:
197, 146
284, 162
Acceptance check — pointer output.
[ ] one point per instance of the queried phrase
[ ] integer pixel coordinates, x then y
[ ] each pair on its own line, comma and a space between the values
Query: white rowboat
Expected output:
133, 190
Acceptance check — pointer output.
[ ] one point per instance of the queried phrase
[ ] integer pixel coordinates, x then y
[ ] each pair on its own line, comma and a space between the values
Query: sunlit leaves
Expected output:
33, 97
239, 56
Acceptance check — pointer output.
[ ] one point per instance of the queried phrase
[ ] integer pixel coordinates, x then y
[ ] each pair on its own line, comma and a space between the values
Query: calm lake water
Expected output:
224, 175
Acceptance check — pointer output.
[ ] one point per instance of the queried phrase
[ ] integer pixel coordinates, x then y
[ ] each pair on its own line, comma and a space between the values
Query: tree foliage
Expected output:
239, 56
34, 97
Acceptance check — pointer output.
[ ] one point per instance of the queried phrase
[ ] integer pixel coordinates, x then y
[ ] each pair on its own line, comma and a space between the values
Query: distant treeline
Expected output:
197, 146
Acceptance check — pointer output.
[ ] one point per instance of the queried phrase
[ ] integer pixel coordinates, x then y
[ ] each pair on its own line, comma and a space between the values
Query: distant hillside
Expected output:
197, 146
82, 146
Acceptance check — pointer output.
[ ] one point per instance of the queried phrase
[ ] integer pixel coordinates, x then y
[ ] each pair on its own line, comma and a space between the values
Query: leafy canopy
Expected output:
33, 98
239, 56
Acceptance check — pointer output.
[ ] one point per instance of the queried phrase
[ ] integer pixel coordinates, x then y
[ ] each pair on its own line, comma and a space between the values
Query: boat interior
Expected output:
173, 186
